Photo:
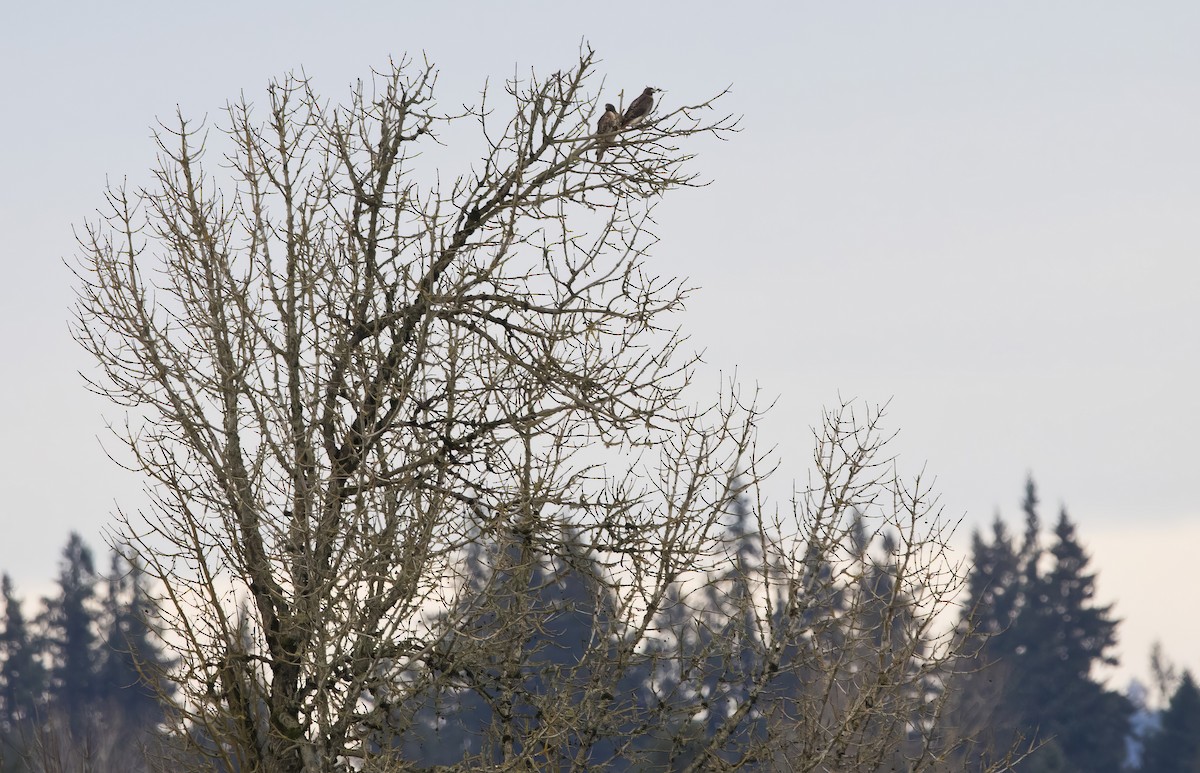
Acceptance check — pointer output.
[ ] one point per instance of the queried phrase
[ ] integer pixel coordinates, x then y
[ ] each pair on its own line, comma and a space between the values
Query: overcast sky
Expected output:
986, 213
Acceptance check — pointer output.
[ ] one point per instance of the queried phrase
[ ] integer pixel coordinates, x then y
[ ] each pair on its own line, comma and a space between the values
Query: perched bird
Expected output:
608, 123
639, 108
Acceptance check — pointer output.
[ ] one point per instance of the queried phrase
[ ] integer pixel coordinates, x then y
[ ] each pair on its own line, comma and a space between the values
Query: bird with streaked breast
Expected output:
608, 123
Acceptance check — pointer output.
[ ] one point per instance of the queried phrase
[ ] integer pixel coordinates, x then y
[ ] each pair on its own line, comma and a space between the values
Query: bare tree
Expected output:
830, 650
343, 372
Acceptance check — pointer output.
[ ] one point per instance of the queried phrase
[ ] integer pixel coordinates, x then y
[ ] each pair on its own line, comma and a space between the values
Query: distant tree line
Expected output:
76, 684
78, 681
1026, 690
714, 671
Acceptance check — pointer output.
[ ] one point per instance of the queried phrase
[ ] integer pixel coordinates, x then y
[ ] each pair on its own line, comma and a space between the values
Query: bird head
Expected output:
650, 90
609, 107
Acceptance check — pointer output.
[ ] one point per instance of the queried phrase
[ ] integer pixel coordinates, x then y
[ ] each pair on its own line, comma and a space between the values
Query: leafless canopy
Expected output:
344, 370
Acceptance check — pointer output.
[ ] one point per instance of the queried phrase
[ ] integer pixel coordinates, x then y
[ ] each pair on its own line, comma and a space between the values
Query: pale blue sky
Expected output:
984, 212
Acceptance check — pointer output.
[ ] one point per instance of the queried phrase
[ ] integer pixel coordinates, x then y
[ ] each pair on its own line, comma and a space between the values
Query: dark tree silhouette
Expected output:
71, 630
1039, 636
22, 675
1175, 746
132, 667
522, 654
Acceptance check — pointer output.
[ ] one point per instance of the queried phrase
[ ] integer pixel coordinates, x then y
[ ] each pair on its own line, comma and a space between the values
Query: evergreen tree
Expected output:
676, 741
1043, 634
1030, 555
713, 654
1175, 747
501, 695
22, 675
851, 636
685, 683
1086, 632
70, 625
131, 668
993, 586
725, 677
1066, 635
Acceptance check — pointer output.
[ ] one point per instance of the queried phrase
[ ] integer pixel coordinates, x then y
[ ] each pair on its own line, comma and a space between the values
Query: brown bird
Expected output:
639, 108
608, 123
